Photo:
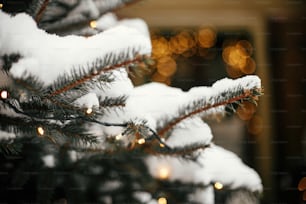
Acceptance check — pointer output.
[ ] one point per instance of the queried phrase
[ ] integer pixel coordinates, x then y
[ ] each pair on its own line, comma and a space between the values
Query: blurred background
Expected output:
204, 41
197, 42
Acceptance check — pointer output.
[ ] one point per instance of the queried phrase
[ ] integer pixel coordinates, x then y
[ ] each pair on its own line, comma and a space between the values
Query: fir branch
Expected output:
223, 99
109, 63
10, 148
8, 61
177, 151
113, 102
41, 11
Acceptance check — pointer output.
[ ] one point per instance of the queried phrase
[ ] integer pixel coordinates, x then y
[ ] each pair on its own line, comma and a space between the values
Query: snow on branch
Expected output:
49, 56
224, 93
60, 14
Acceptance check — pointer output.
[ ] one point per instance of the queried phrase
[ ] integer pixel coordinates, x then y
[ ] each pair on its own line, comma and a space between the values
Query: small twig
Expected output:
170, 125
41, 11
90, 76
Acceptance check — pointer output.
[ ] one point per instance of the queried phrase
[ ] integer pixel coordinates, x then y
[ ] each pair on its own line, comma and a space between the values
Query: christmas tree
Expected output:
74, 129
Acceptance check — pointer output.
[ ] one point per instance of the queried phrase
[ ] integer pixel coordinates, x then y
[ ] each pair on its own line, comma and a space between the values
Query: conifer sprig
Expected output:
226, 98
108, 63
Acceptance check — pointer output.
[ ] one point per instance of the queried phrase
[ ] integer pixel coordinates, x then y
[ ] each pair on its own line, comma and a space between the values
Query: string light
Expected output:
40, 131
166, 66
4, 94
207, 37
161, 144
218, 185
163, 172
118, 137
93, 24
141, 141
89, 111
1, 6
162, 200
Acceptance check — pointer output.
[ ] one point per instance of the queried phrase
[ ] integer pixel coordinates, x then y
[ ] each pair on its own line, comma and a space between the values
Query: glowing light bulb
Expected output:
89, 111
40, 131
93, 24
163, 172
4, 94
161, 144
218, 185
141, 141
118, 137
162, 200
1, 6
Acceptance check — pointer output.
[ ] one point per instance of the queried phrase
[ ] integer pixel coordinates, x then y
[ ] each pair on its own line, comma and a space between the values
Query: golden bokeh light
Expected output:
162, 200
237, 55
89, 111
157, 77
141, 141
255, 125
249, 67
246, 110
163, 172
206, 37
182, 42
166, 66
235, 59
245, 48
40, 131
1, 6
218, 185
160, 47
93, 24
233, 72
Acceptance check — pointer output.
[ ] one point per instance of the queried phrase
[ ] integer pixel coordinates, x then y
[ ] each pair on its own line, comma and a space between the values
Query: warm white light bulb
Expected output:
1, 6
118, 137
93, 24
4, 94
162, 200
141, 141
164, 172
40, 131
218, 185
89, 111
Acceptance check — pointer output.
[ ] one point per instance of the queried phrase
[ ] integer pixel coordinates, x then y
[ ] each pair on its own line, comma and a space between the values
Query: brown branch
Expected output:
91, 76
41, 11
173, 151
170, 125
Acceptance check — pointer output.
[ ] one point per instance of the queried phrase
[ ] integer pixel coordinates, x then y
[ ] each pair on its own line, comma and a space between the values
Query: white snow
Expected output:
89, 100
6, 135
47, 56
215, 164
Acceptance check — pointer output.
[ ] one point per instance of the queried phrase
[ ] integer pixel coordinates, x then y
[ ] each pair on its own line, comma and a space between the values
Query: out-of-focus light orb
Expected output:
162, 200
160, 47
233, 72
141, 141
218, 185
40, 131
4, 94
182, 42
166, 66
93, 24
255, 125
246, 110
163, 172
206, 37
245, 48
249, 67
